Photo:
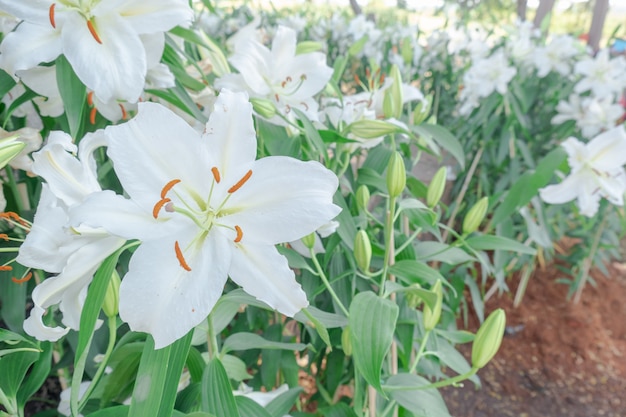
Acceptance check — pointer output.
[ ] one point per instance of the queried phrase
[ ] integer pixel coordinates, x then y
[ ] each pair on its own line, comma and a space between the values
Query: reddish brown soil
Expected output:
568, 360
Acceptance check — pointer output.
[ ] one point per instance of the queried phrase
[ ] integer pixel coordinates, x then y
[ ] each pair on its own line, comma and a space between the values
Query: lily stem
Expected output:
330, 289
389, 242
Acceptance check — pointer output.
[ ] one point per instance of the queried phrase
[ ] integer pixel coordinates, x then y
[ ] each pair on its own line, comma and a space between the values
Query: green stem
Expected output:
588, 262
409, 240
79, 371
440, 384
4, 400
112, 323
13, 187
389, 243
420, 351
330, 289
212, 342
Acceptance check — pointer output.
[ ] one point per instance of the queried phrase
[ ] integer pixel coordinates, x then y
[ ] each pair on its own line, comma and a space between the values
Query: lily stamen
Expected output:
6, 268
4, 236
241, 182
167, 187
216, 174
93, 32
92, 115
51, 15
22, 280
180, 257
239, 234
124, 114
90, 98
158, 206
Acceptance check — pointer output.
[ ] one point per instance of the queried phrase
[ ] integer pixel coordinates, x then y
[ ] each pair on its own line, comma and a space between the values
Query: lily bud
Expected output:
9, 148
346, 342
362, 250
431, 316
110, 306
263, 107
475, 216
413, 298
308, 46
396, 175
370, 129
422, 109
309, 240
392, 101
362, 197
436, 187
406, 50
488, 339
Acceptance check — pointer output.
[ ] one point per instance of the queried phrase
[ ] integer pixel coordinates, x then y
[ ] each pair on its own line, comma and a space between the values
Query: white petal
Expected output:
284, 200
114, 69
42, 80
28, 46
159, 297
154, 45
150, 16
563, 192
35, 327
152, 149
608, 150
284, 45
33, 11
252, 60
263, 272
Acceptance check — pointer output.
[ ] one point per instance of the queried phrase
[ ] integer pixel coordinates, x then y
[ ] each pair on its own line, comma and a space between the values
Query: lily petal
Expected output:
33, 11
28, 46
149, 16
563, 192
608, 150
34, 326
262, 272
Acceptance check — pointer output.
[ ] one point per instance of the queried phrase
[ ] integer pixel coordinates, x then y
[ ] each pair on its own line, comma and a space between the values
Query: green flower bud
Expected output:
346, 342
309, 240
488, 339
370, 129
308, 46
362, 251
263, 107
362, 197
9, 148
431, 316
436, 187
422, 109
396, 175
475, 216
413, 298
110, 306
393, 100
406, 50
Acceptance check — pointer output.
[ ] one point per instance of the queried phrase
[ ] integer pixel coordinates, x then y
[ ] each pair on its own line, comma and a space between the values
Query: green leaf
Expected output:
489, 242
420, 402
311, 133
13, 298
372, 324
249, 408
74, 95
444, 138
157, 378
415, 272
217, 394
245, 341
317, 325
437, 251
37, 375
6, 83
281, 405
235, 368
13, 369
116, 411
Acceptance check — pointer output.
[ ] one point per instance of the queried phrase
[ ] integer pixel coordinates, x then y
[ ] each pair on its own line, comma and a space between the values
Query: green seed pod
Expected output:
431, 317
263, 107
362, 251
346, 343
488, 339
413, 298
396, 175
370, 129
9, 148
436, 187
309, 240
362, 197
110, 306
475, 216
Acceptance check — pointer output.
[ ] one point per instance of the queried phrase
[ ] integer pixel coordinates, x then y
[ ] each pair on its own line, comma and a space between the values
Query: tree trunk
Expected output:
521, 9
545, 7
355, 7
600, 10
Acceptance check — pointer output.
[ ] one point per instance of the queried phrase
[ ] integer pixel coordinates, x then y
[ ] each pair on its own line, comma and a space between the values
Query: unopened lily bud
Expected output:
475, 216
263, 107
422, 109
431, 316
362, 197
308, 46
488, 339
392, 101
110, 306
362, 250
10, 148
413, 298
309, 240
406, 50
396, 175
436, 187
346, 342
370, 129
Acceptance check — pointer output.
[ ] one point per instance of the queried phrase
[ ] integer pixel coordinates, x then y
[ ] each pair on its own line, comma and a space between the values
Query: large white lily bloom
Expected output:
602, 75
596, 171
289, 80
205, 209
100, 39
73, 254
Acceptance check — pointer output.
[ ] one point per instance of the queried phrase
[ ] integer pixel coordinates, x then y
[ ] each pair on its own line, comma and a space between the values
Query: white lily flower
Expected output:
596, 171
32, 140
602, 75
205, 209
73, 254
279, 75
43, 81
100, 39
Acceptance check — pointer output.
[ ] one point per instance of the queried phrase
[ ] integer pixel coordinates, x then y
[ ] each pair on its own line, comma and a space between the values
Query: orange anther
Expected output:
276, 97
124, 114
4, 236
216, 174
51, 15
180, 257
166, 189
239, 234
241, 182
90, 98
23, 279
92, 115
158, 206
6, 268
93, 32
